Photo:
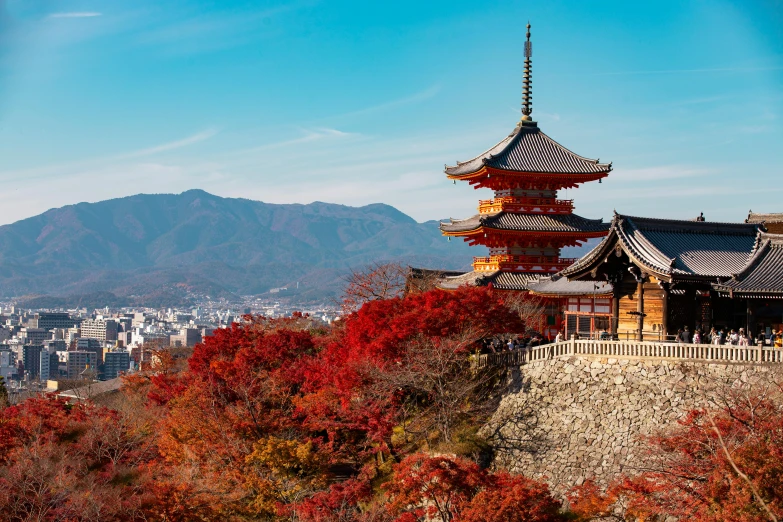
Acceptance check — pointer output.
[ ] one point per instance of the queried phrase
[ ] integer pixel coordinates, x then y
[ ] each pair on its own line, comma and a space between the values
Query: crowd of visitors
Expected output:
498, 344
716, 336
720, 336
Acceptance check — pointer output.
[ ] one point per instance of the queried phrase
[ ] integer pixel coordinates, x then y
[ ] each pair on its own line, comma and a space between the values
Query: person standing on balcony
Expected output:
686, 335
697, 337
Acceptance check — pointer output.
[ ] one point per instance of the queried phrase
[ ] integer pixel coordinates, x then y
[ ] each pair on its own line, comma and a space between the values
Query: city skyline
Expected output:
357, 104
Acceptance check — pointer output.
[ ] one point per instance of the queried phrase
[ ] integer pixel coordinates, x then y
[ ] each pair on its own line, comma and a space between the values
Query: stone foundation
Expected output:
569, 419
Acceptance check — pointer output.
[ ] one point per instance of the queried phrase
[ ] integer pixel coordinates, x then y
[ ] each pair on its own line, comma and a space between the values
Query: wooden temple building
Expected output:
669, 274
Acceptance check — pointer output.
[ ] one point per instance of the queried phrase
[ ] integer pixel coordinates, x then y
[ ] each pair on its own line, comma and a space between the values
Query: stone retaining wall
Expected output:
569, 419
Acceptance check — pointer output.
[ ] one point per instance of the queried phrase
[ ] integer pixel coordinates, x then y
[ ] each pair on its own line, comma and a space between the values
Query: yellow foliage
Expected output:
285, 471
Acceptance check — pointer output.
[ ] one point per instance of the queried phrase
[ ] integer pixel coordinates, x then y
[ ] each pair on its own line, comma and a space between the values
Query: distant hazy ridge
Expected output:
195, 241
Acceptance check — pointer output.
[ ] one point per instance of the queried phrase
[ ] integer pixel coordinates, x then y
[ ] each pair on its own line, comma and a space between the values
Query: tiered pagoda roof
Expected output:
551, 223
524, 225
528, 150
673, 249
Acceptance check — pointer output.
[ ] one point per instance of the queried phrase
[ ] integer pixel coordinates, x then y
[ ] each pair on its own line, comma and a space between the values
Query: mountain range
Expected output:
162, 247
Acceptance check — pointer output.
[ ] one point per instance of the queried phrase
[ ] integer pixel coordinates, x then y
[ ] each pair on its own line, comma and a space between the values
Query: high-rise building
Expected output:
7, 364
186, 337
35, 335
115, 363
91, 345
52, 320
78, 361
101, 329
31, 359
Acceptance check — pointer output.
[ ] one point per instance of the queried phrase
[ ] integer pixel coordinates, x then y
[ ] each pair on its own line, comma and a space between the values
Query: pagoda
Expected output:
524, 225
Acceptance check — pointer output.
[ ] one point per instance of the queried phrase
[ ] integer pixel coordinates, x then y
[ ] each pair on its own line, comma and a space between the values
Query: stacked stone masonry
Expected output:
573, 418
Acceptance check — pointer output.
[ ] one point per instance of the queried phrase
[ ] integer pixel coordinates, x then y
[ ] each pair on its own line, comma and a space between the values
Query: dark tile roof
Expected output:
499, 280
527, 149
679, 249
527, 222
562, 286
466, 279
763, 273
512, 280
756, 217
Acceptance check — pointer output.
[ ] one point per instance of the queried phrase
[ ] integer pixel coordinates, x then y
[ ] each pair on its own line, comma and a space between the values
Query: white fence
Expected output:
632, 349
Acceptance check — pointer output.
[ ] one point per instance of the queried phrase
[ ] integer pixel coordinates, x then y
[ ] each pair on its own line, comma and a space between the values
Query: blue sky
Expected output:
363, 102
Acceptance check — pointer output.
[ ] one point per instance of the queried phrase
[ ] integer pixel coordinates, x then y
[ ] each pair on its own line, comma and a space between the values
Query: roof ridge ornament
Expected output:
527, 81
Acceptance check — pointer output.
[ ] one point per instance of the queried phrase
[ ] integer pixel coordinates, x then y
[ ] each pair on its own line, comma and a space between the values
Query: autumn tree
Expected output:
404, 362
433, 488
64, 462
448, 488
373, 282
513, 498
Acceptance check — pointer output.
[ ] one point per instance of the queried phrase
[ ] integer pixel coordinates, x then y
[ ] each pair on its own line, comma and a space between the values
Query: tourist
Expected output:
742, 339
717, 339
686, 335
711, 336
733, 337
559, 336
697, 337
761, 338
678, 338
779, 340
510, 344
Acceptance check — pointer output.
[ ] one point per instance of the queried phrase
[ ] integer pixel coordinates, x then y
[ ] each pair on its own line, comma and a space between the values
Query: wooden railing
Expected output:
522, 263
523, 204
632, 349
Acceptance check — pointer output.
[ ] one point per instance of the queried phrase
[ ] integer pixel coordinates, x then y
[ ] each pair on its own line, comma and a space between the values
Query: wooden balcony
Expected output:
528, 264
526, 205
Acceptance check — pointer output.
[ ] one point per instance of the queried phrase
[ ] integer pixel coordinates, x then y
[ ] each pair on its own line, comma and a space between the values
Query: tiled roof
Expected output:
467, 279
562, 286
527, 222
527, 149
499, 280
513, 280
673, 248
763, 273
755, 217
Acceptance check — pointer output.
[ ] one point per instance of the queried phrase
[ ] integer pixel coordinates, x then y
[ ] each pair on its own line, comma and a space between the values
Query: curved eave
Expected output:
486, 172
560, 295
608, 248
556, 233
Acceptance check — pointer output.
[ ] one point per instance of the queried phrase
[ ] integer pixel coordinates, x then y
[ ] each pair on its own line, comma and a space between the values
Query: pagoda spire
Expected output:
527, 88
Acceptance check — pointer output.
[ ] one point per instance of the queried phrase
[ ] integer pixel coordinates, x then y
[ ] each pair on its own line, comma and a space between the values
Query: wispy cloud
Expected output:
308, 136
83, 14
690, 71
91, 163
420, 96
190, 140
